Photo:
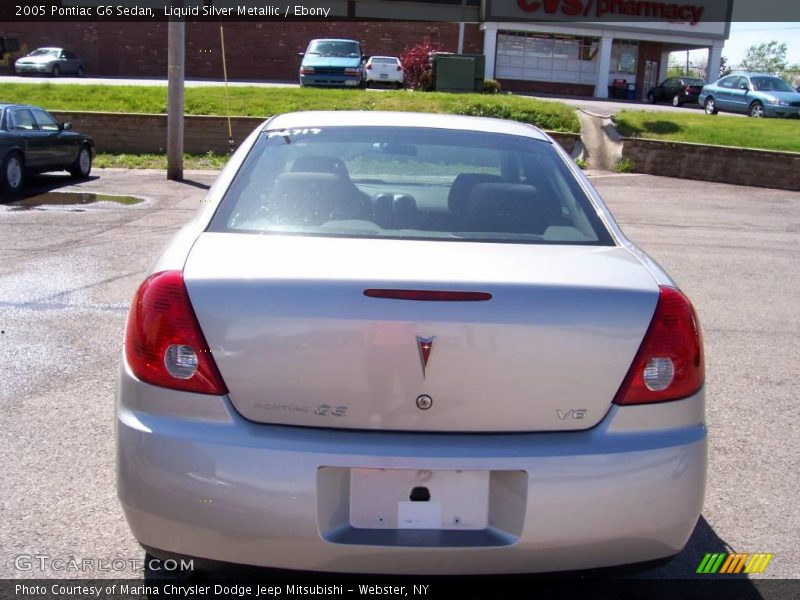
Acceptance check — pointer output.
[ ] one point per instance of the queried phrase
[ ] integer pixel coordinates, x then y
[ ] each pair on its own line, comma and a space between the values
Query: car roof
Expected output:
376, 56
47, 48
4, 105
753, 74
370, 118
333, 40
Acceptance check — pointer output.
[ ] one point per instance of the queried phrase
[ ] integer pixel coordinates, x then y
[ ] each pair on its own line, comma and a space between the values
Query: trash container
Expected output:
619, 88
631, 93
458, 72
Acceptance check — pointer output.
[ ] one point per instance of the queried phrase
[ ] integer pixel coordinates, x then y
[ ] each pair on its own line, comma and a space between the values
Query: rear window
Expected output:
384, 61
409, 183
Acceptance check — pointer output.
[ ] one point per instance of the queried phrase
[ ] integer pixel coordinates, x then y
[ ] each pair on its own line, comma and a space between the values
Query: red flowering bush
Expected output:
416, 61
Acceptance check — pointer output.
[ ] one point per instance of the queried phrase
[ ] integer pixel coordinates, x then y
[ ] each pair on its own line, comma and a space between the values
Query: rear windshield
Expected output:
334, 48
409, 183
384, 61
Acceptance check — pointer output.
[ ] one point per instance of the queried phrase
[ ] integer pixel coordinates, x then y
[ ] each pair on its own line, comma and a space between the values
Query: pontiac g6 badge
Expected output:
425, 346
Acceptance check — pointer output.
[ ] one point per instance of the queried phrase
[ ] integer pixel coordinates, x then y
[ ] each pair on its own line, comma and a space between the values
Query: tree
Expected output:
769, 57
724, 69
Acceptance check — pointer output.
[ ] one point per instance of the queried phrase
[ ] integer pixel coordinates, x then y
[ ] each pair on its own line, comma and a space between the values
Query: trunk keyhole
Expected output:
420, 494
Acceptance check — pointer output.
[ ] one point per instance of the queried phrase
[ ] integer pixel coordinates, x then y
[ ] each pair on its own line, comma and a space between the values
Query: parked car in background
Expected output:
458, 364
677, 90
384, 69
332, 63
33, 141
50, 61
755, 94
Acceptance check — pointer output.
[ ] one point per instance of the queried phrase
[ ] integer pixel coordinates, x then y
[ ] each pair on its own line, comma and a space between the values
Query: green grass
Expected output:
260, 102
158, 161
720, 130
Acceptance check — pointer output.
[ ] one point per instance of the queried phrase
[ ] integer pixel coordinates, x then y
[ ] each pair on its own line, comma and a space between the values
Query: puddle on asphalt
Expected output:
69, 200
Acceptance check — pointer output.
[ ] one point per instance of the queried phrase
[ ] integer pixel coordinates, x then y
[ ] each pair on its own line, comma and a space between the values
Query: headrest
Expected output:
508, 208
462, 186
312, 199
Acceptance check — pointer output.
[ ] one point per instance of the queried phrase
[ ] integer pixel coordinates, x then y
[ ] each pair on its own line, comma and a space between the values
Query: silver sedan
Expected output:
409, 343
50, 61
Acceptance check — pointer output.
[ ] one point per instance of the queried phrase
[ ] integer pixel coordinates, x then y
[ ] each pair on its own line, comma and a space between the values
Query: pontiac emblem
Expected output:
425, 346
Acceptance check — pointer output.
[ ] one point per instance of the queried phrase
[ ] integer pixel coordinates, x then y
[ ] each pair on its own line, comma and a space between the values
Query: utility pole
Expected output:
461, 27
175, 75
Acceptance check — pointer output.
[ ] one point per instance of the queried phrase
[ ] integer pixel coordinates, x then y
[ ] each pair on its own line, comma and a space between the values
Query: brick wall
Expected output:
260, 51
127, 133
739, 166
547, 87
647, 51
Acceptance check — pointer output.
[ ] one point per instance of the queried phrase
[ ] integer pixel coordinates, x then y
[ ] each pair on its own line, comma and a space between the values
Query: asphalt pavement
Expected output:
68, 273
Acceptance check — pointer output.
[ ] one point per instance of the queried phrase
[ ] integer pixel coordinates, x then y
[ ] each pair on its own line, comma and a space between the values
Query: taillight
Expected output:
369, 67
399, 68
669, 364
164, 345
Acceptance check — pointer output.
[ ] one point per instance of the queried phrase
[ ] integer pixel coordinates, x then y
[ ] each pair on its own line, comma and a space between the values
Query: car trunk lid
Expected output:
298, 341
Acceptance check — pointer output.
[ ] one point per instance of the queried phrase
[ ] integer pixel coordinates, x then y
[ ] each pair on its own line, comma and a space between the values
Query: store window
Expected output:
624, 57
540, 57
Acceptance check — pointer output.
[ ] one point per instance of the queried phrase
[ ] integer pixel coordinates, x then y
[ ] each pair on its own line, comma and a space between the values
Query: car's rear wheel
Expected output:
56, 70
83, 164
676, 100
756, 110
710, 106
13, 173
651, 97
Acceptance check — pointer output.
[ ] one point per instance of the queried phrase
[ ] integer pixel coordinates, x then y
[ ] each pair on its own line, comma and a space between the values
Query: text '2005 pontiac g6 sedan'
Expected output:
408, 343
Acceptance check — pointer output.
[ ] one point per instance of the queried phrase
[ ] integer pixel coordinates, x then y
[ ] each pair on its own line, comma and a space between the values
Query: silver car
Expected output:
50, 61
409, 343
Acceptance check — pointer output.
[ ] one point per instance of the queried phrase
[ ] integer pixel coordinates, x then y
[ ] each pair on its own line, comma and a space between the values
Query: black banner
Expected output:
689, 12
267, 587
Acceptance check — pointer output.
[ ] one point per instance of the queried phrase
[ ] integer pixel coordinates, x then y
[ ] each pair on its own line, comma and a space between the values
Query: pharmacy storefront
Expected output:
551, 46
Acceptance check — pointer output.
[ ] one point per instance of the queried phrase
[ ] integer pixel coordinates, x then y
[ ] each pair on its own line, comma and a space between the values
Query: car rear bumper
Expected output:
390, 78
219, 487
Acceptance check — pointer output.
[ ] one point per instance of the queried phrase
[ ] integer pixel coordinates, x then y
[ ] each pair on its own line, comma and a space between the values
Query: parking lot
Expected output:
67, 274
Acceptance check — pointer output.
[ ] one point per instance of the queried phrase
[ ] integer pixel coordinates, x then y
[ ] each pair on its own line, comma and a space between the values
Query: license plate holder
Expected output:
381, 499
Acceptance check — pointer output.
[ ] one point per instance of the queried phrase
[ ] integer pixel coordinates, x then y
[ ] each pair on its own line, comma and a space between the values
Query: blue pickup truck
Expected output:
332, 63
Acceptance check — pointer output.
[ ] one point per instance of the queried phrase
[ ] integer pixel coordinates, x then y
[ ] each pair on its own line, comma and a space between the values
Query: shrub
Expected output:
625, 165
491, 86
425, 82
416, 61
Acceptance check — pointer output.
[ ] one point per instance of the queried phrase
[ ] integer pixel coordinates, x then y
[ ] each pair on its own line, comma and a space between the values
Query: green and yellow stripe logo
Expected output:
740, 562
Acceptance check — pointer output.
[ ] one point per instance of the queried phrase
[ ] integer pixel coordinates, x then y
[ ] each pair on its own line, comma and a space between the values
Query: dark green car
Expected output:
32, 141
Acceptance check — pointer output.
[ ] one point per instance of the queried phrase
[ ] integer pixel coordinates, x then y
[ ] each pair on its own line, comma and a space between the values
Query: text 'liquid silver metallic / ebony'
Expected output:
424, 402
